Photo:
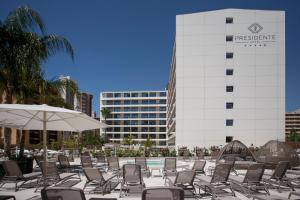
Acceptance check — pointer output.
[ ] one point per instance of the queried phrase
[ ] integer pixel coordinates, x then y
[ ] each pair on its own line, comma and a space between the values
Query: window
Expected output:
152, 94
126, 129
152, 136
134, 102
162, 94
162, 122
229, 88
152, 115
127, 102
229, 55
151, 122
117, 102
134, 129
229, 122
162, 143
144, 122
117, 135
144, 116
162, 115
144, 136
229, 20
229, 72
134, 94
152, 129
134, 109
117, 95
127, 109
144, 94
126, 115
229, 139
144, 129
144, 101
229, 105
162, 129
134, 115
126, 122
126, 94
152, 102
152, 109
134, 122
229, 38
162, 101
109, 95
162, 136
162, 108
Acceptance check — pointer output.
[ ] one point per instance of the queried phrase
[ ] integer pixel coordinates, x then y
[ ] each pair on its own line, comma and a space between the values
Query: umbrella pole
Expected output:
45, 135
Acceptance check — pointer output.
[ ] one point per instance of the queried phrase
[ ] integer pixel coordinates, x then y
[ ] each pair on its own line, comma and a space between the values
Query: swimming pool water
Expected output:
150, 163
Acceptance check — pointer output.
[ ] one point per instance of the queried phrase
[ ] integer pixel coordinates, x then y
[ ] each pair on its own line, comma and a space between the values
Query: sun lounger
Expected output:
275, 197
13, 174
143, 162
63, 193
169, 167
103, 182
199, 166
185, 180
132, 179
278, 177
216, 185
251, 182
165, 193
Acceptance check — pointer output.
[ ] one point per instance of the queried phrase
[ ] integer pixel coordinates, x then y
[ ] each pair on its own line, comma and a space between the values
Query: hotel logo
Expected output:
256, 38
255, 28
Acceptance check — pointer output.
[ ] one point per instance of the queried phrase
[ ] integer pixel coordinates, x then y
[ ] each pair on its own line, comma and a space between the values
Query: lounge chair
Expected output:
132, 179
103, 182
86, 162
143, 162
166, 193
101, 161
65, 165
251, 182
217, 184
13, 174
38, 159
185, 180
275, 197
113, 164
7, 197
52, 176
169, 167
278, 177
198, 166
63, 193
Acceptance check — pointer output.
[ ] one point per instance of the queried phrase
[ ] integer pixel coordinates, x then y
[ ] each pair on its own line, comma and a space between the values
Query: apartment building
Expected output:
141, 114
86, 103
227, 78
292, 122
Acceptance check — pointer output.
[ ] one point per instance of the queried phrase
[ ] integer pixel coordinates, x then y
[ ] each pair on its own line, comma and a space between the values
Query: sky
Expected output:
127, 44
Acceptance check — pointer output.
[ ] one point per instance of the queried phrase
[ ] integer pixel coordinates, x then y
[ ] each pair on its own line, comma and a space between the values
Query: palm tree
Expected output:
106, 114
22, 50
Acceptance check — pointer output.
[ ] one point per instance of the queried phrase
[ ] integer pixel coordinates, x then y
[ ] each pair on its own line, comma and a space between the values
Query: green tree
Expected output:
148, 144
105, 114
294, 136
23, 47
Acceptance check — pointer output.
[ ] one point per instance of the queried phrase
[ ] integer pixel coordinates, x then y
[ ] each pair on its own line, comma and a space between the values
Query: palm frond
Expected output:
56, 43
25, 18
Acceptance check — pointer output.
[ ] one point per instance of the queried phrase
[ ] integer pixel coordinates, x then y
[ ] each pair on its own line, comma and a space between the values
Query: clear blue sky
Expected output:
127, 44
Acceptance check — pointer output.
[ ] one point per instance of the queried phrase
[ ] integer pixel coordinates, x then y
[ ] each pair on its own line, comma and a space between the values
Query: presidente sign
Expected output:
255, 38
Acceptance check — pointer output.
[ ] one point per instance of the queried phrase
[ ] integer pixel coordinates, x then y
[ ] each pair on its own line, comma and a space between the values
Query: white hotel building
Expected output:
227, 78
141, 114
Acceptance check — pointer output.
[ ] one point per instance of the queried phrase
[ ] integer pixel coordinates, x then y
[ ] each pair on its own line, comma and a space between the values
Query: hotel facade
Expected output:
141, 114
227, 78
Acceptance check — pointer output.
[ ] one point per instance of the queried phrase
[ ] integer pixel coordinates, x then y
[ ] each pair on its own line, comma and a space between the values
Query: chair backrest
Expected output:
199, 165
221, 173
280, 170
62, 193
38, 159
93, 174
113, 163
132, 173
185, 177
86, 161
49, 169
100, 158
163, 193
170, 164
63, 161
141, 161
11, 168
254, 173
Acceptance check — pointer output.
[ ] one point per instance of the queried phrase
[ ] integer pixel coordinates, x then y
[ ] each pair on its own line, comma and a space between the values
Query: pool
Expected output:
150, 163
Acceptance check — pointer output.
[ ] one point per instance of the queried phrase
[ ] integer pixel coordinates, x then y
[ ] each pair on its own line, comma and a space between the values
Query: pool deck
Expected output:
154, 180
